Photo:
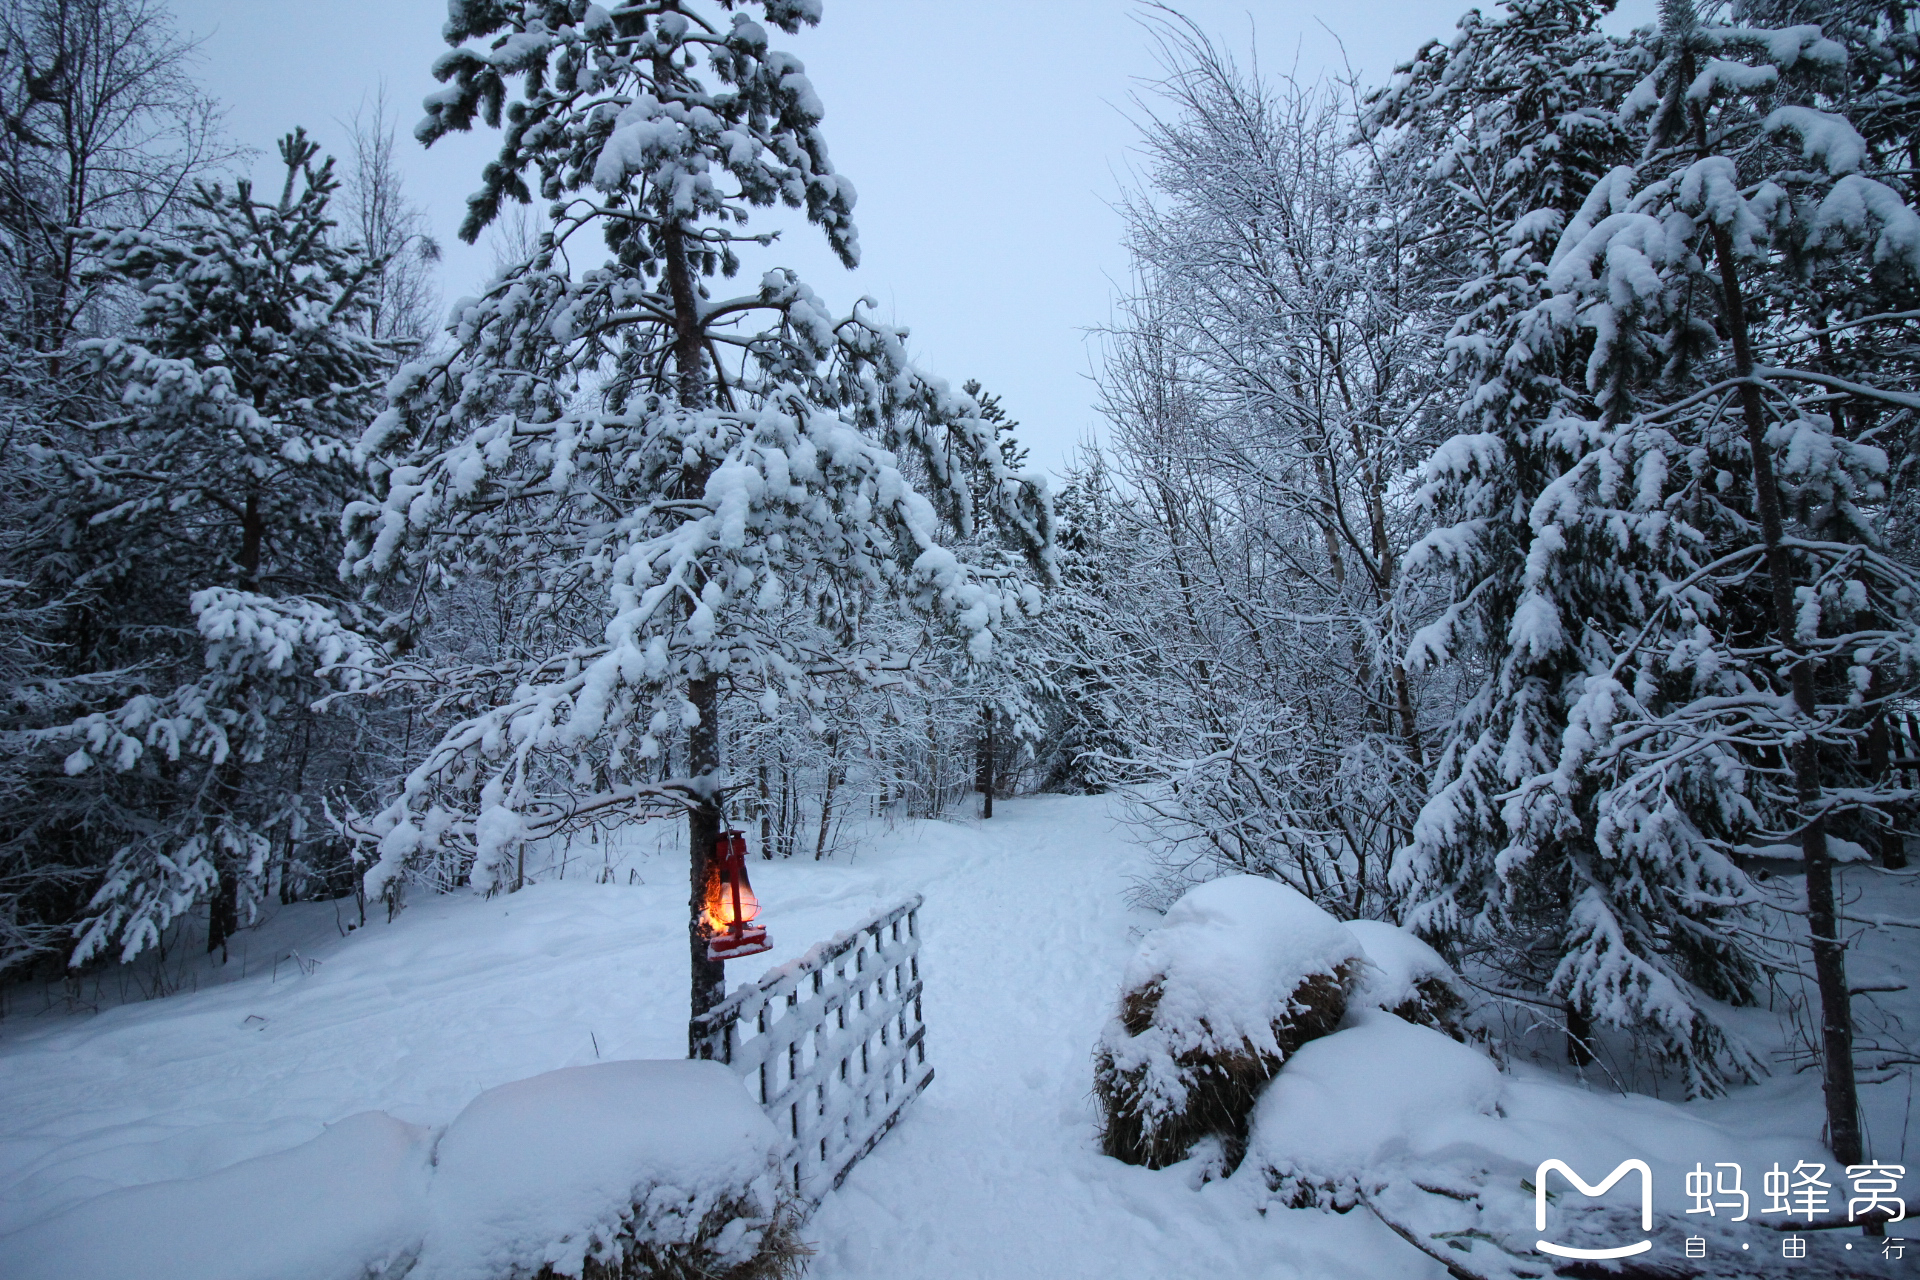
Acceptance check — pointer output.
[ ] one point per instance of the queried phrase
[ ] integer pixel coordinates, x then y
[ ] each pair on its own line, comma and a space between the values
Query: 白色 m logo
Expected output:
1588, 1189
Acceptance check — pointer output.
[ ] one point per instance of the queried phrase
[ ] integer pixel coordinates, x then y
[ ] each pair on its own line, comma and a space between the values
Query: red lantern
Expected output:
731, 906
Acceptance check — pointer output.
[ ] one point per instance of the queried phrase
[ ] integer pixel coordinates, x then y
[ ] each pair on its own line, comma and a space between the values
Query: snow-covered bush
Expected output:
617, 1169
1407, 978
1242, 972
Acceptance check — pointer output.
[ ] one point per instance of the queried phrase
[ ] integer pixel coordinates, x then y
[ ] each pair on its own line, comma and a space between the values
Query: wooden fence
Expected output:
832, 1044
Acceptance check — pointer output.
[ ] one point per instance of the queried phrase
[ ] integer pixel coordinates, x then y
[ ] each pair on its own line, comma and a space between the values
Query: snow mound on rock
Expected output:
562, 1166
1227, 960
1407, 977
1397, 963
1241, 972
1379, 1091
349, 1205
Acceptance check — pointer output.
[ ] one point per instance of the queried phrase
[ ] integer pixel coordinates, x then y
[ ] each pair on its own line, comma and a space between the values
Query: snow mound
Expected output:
1378, 1092
653, 1158
1405, 976
1241, 972
349, 1205
1227, 961
1444, 1149
577, 1163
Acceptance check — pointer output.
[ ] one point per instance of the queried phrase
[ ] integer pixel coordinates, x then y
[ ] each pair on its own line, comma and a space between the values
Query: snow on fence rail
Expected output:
832, 1044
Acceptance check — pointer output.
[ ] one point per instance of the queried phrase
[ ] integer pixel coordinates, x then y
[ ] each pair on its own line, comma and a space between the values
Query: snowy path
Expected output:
992, 1174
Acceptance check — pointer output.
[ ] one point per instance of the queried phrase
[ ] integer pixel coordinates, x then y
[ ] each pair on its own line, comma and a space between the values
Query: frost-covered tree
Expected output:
101, 125
403, 304
194, 529
665, 477
1266, 382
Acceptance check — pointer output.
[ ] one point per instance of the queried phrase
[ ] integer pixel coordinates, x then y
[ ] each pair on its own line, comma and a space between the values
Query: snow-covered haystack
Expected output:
1407, 978
613, 1171
1240, 974
349, 1205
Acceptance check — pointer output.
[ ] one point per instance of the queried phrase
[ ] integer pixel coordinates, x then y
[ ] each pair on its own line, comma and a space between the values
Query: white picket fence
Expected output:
832, 1044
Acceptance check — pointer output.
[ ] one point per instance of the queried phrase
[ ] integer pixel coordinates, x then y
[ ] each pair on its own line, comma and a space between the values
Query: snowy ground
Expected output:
993, 1173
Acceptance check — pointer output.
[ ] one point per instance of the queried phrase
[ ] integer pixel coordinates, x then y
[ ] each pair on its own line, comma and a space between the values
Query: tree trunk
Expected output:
709, 984
766, 815
1579, 1037
1410, 732
709, 977
1829, 952
223, 913
826, 799
1880, 738
986, 761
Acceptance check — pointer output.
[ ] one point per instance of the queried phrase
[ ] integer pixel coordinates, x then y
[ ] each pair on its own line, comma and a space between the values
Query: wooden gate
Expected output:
832, 1044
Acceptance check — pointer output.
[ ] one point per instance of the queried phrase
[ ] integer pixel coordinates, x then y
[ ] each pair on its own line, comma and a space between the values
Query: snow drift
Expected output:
639, 1167
349, 1205
1435, 1142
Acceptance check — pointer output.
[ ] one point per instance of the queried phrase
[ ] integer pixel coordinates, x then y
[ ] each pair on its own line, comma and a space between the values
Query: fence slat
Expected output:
832, 1045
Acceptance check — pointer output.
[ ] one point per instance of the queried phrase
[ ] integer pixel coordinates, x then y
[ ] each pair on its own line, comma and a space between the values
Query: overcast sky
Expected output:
987, 139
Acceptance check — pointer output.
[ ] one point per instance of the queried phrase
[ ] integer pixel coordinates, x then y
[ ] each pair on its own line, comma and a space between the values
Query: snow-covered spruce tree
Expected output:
1086, 640
1753, 685
667, 475
1513, 122
1702, 572
198, 525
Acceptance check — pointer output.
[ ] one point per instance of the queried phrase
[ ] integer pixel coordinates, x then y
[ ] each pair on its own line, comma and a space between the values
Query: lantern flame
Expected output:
730, 903
722, 913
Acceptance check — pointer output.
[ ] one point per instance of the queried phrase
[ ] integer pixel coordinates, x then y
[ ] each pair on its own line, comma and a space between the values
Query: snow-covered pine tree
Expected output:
663, 473
197, 527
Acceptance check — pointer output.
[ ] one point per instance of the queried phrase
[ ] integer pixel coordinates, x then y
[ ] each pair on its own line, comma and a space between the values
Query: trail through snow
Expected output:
995, 1172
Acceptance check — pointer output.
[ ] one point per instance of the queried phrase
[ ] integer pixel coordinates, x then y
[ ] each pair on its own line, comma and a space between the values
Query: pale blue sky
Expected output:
986, 138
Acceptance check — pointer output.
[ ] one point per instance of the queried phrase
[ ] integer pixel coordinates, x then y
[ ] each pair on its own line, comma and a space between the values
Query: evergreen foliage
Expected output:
707, 509
188, 525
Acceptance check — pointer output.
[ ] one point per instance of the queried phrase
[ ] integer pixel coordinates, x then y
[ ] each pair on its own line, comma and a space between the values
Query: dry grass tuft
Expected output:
1221, 1086
1435, 1004
781, 1254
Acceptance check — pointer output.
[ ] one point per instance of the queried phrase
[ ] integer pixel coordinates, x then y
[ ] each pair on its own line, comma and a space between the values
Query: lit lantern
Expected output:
731, 906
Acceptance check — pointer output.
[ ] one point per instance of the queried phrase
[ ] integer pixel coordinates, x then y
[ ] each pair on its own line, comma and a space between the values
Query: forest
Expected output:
1503, 526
